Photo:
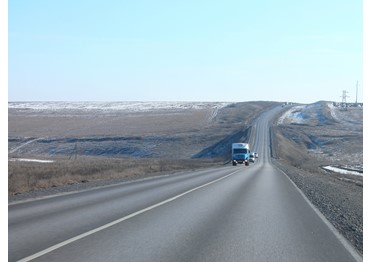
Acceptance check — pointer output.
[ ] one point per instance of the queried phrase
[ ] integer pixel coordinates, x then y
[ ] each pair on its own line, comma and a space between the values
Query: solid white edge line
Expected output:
353, 252
68, 241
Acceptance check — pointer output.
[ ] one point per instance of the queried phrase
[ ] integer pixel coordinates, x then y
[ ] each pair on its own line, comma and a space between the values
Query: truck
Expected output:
240, 154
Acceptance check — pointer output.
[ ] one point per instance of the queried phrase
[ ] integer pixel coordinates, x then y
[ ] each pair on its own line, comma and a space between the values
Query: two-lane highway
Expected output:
231, 213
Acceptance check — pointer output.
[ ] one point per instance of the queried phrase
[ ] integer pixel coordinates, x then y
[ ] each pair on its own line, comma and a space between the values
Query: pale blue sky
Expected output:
301, 51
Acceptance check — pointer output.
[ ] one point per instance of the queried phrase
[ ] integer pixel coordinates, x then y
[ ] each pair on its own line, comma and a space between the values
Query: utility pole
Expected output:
356, 95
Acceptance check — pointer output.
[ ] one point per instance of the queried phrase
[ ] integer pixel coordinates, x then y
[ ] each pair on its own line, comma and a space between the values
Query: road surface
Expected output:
228, 213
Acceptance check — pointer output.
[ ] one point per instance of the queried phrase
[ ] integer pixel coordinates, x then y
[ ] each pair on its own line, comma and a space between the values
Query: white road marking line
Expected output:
68, 241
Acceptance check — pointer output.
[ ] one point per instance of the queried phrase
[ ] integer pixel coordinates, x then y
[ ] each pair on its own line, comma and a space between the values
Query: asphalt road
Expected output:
231, 213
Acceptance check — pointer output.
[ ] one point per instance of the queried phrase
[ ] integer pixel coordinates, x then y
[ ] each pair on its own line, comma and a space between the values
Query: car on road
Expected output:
251, 157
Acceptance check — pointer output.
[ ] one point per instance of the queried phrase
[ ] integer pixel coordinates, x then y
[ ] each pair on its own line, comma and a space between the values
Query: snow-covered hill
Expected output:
116, 106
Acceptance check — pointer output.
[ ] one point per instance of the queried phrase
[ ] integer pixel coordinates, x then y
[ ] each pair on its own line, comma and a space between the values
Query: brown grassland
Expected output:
91, 145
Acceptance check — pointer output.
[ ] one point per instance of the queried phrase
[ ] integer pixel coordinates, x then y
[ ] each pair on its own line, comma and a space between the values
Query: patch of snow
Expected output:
24, 144
213, 114
343, 171
30, 160
292, 115
332, 110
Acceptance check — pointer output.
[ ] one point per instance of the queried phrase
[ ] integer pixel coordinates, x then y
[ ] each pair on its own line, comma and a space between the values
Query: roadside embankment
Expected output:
307, 138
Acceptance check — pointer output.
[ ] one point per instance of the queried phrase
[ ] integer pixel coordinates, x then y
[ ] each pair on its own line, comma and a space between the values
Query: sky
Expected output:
299, 51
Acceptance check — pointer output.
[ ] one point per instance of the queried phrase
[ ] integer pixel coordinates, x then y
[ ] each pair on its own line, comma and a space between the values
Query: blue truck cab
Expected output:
240, 154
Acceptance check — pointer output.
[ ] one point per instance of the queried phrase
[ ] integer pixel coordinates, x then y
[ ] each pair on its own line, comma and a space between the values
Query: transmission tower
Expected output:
344, 103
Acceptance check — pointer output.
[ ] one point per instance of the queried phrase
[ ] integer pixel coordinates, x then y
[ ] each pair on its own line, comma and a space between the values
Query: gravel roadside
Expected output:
341, 202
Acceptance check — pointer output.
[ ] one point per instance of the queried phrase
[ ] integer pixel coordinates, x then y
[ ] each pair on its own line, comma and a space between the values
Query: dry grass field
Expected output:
27, 176
91, 141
